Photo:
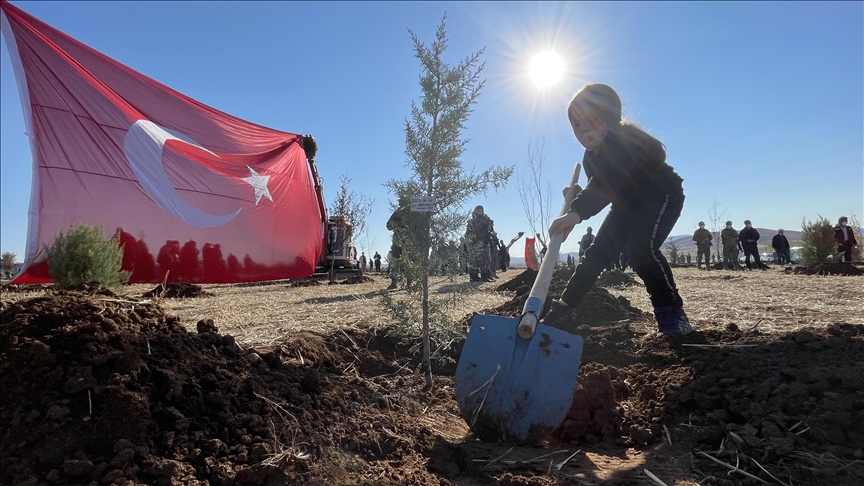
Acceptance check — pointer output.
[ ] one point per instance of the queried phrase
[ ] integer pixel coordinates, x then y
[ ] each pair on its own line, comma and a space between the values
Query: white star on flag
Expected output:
259, 182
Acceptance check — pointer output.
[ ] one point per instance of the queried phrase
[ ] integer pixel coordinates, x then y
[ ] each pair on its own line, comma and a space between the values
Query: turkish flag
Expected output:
187, 188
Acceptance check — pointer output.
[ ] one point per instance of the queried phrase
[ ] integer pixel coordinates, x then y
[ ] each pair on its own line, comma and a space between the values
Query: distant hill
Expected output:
686, 244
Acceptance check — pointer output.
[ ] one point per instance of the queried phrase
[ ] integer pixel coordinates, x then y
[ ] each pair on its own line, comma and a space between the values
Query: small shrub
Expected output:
817, 241
7, 261
83, 255
672, 251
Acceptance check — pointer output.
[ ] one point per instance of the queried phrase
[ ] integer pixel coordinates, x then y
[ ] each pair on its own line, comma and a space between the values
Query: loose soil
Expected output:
616, 278
831, 268
106, 388
177, 291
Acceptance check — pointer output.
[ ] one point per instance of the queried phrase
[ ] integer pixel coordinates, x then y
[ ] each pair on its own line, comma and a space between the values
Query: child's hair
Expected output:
601, 102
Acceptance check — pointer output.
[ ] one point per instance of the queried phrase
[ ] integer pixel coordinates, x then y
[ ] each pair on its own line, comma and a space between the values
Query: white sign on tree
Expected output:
422, 204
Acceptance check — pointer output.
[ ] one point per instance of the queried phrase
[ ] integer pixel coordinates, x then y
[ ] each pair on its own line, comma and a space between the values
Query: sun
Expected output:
546, 69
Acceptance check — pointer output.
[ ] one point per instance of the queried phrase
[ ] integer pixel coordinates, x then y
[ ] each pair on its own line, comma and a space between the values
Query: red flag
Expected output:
531, 254
187, 188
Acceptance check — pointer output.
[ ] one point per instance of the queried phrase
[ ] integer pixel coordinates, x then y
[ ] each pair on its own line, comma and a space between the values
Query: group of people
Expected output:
479, 253
734, 242
374, 262
747, 239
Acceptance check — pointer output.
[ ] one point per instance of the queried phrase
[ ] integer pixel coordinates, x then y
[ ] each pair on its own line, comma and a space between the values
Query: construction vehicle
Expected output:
338, 249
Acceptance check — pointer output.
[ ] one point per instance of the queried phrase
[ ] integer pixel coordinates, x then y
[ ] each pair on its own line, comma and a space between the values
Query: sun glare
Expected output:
546, 69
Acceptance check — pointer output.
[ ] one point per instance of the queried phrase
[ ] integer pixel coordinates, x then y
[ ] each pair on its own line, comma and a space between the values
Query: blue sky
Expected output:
760, 105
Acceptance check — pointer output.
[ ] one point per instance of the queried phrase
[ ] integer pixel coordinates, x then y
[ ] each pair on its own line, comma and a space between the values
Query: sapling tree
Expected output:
536, 198
350, 211
672, 251
83, 255
817, 241
715, 217
434, 147
8, 260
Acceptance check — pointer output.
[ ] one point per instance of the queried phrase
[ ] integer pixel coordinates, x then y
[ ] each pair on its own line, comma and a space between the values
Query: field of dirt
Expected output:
297, 383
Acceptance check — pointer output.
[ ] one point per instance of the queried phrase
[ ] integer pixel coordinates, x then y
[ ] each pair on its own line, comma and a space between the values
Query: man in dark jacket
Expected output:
748, 236
781, 247
585, 242
703, 237
845, 238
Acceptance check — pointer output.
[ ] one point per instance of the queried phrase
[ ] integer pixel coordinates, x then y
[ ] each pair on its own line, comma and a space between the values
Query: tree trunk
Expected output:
427, 361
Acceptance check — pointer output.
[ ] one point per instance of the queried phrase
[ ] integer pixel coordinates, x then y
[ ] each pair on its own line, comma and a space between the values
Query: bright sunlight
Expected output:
546, 69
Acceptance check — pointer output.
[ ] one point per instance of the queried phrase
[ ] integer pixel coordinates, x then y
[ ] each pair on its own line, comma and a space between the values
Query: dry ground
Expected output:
772, 301
258, 314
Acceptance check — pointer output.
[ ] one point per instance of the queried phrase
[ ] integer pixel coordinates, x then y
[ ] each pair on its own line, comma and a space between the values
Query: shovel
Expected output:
516, 376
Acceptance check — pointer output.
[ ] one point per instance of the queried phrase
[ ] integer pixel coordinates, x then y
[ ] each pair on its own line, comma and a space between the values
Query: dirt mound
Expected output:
829, 268
616, 278
358, 279
599, 306
526, 278
178, 291
306, 282
108, 390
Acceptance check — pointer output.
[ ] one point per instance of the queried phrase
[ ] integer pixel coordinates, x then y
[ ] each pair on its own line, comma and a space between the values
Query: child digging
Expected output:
627, 168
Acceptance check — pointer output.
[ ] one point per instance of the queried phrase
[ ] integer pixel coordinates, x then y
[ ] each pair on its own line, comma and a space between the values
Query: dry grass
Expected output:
259, 315
262, 315
772, 300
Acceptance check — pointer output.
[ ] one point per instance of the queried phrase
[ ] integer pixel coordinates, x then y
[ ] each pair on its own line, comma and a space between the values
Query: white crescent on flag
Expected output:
143, 149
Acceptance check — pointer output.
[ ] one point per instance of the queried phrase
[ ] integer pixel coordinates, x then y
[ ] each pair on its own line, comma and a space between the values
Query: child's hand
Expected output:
564, 224
578, 190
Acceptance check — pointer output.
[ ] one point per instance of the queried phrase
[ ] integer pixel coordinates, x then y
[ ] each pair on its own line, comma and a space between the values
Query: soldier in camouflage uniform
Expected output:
478, 236
405, 226
729, 236
703, 237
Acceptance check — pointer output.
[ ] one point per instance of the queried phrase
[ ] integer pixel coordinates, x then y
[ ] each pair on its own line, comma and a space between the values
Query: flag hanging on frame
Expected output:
187, 188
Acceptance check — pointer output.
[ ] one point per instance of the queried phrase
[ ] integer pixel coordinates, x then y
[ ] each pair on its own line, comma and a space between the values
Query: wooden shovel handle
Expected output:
534, 305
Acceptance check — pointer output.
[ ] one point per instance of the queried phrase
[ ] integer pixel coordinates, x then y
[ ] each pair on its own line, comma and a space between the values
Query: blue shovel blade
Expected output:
512, 389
